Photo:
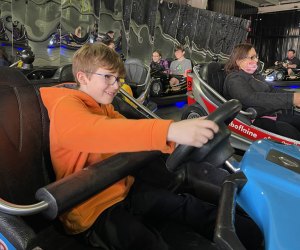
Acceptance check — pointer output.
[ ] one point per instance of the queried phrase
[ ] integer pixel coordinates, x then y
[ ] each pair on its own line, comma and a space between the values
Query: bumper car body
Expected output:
267, 188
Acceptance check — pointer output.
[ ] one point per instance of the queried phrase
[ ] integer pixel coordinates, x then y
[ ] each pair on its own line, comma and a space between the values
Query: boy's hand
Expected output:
192, 132
296, 100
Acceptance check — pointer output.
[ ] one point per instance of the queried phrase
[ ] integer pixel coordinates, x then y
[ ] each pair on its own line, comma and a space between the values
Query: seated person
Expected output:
107, 40
94, 31
158, 64
179, 66
242, 83
111, 34
85, 129
77, 37
291, 62
117, 42
78, 32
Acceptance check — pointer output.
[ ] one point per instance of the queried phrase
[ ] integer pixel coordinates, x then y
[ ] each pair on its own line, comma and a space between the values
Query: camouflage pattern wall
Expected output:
48, 27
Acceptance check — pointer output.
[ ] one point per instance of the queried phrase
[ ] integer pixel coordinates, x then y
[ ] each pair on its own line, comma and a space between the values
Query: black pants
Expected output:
137, 222
291, 118
287, 125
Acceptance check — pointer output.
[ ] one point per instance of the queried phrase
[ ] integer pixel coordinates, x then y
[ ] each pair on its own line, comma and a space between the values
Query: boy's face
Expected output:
179, 54
102, 86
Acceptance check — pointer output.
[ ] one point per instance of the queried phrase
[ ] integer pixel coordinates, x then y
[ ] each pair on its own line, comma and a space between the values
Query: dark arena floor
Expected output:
171, 111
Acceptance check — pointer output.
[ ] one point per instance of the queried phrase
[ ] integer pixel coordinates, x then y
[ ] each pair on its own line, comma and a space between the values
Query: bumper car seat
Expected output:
213, 73
138, 77
64, 74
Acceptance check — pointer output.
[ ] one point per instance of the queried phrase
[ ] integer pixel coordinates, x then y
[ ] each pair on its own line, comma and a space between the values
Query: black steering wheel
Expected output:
222, 116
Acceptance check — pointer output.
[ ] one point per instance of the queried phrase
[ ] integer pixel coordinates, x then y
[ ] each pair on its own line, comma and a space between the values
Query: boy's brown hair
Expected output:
179, 47
90, 57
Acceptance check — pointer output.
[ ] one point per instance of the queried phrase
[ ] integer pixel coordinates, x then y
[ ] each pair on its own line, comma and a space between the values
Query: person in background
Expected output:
111, 33
179, 66
107, 40
291, 62
95, 30
78, 36
85, 129
158, 64
117, 42
3, 57
78, 32
275, 107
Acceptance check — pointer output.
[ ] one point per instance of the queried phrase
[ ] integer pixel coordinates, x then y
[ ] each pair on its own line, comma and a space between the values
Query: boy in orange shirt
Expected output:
85, 129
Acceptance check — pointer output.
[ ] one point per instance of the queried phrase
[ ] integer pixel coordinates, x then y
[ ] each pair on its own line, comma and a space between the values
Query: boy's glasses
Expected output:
110, 79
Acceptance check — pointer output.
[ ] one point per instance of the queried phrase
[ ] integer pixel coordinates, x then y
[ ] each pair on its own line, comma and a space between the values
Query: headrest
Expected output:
64, 74
136, 72
134, 61
213, 73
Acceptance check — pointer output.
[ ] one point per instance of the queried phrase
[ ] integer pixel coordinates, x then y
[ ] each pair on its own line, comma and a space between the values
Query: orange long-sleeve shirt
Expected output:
82, 132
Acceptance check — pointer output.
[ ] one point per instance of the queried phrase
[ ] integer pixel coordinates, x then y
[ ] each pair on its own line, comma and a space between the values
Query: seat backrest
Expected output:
64, 74
136, 72
213, 73
24, 134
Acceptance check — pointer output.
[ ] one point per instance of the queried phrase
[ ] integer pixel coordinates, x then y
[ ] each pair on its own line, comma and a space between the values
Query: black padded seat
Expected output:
137, 75
64, 74
59, 75
23, 129
136, 72
213, 73
25, 164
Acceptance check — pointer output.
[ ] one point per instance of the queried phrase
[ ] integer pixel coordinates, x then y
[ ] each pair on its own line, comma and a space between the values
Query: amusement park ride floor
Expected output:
172, 111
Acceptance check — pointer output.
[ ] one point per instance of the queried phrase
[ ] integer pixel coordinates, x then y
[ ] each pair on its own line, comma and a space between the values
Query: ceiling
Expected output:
265, 6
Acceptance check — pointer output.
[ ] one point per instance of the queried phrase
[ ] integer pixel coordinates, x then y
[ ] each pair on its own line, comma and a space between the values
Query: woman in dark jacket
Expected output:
275, 107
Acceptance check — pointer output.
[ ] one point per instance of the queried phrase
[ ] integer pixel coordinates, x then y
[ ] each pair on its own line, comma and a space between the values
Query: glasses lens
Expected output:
110, 79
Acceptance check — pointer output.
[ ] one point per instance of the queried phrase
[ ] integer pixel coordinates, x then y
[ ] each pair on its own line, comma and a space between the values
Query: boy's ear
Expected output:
81, 77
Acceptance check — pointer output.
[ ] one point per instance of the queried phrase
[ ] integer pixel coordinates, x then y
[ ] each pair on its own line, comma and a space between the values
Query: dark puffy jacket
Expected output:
253, 91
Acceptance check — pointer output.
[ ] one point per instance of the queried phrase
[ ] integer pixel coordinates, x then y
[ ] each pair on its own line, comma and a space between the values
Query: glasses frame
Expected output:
118, 80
